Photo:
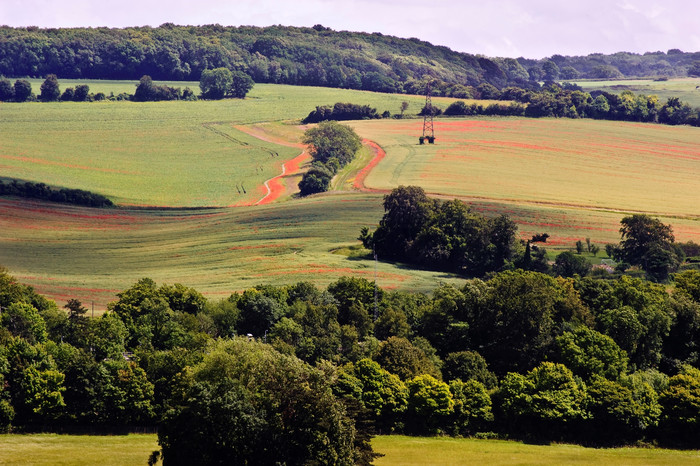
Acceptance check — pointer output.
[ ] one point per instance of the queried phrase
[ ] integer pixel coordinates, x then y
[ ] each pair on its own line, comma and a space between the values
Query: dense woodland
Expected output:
315, 56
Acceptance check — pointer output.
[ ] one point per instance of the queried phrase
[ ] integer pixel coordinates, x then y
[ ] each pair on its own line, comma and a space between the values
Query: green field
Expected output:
586, 164
183, 154
406, 451
91, 254
134, 449
573, 179
683, 88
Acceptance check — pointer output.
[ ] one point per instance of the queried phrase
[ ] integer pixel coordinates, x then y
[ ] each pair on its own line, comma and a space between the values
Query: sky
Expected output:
495, 28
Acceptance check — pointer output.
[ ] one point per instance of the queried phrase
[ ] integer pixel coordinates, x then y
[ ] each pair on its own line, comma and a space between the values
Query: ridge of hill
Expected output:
316, 56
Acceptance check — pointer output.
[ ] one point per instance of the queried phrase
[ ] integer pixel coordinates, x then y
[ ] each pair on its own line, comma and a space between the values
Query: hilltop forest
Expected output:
316, 56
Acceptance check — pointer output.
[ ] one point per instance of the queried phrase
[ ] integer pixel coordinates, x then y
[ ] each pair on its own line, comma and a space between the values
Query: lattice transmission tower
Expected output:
428, 129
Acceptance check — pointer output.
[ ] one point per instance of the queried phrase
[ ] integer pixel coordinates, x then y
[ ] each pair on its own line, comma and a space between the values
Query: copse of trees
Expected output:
441, 235
221, 82
340, 112
332, 146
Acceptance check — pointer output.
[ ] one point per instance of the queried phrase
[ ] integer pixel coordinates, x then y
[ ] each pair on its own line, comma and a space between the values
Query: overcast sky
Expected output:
505, 28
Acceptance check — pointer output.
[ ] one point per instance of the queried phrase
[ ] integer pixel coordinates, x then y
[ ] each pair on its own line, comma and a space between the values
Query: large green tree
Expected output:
542, 403
50, 91
648, 243
332, 140
246, 403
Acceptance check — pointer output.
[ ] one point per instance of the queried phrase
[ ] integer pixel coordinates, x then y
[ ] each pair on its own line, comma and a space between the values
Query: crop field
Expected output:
573, 179
134, 449
91, 254
584, 164
683, 88
172, 154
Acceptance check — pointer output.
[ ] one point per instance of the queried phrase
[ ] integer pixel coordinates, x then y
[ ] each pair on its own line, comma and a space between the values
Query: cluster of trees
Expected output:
314, 56
222, 82
522, 354
672, 63
442, 235
20, 91
341, 112
42, 191
332, 146
448, 236
569, 101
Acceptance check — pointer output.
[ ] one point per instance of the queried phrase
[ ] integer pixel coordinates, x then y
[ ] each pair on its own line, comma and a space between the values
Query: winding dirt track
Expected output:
379, 154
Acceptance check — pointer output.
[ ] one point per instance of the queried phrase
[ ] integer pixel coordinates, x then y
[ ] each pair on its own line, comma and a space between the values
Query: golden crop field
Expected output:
585, 164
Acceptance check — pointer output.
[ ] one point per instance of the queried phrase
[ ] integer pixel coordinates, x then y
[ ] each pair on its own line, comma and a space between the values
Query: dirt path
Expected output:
379, 154
275, 186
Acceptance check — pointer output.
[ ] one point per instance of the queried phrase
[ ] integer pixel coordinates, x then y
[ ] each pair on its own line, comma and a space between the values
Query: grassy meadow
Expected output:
586, 164
446, 451
172, 154
91, 254
573, 179
134, 449
683, 88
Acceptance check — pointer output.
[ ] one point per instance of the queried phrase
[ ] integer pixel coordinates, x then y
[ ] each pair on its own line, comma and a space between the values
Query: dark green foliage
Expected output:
316, 180
472, 407
82, 93
241, 84
430, 404
648, 243
247, 403
568, 264
153, 361
23, 90
589, 353
681, 409
24, 321
441, 235
515, 322
400, 357
332, 146
68, 94
50, 91
341, 112
147, 91
544, 403
469, 365
64, 195
382, 393
332, 140
688, 282
619, 414
7, 92
222, 82
637, 318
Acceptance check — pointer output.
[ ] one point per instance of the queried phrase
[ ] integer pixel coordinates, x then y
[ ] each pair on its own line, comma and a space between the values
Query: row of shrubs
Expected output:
46, 193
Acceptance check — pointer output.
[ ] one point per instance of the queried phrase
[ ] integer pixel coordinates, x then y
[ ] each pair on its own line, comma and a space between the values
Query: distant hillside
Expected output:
303, 56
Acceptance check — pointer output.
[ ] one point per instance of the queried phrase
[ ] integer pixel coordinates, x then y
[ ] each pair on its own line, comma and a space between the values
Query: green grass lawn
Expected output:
406, 451
683, 88
77, 450
134, 449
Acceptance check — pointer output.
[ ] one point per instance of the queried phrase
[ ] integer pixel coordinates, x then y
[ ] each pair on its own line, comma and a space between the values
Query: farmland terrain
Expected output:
44, 449
181, 172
